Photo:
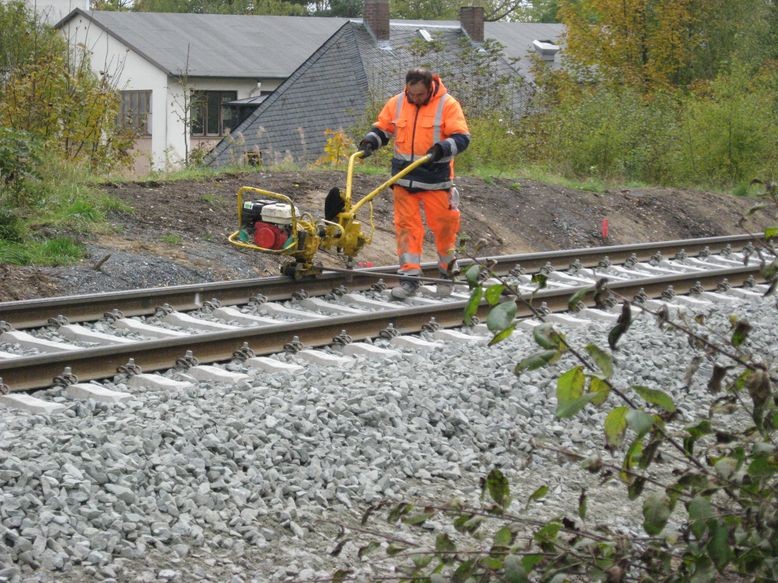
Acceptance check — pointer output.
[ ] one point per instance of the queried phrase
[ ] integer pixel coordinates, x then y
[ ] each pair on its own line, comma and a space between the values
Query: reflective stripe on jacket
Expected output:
416, 128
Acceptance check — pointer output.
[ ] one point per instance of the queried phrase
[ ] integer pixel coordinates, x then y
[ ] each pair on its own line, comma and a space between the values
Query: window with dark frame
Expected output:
135, 112
209, 114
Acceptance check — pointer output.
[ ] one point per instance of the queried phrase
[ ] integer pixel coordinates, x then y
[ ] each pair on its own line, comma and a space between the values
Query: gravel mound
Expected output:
243, 482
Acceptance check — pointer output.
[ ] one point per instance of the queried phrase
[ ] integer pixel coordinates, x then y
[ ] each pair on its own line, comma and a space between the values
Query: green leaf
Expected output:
472, 274
420, 561
504, 537
769, 271
367, 549
502, 335
700, 510
656, 397
703, 571
494, 293
570, 408
647, 456
460, 522
725, 467
498, 488
616, 426
472, 305
537, 360
540, 279
444, 544
548, 532
514, 570
576, 298
501, 316
394, 549
631, 458
399, 511
530, 561
741, 332
570, 385
539, 493
600, 389
463, 572
639, 421
340, 575
417, 519
545, 336
770, 233
602, 359
718, 546
656, 511
491, 562
473, 524
761, 467
635, 487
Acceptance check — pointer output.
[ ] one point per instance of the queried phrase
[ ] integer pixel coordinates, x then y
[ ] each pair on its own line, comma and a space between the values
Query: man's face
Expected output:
417, 93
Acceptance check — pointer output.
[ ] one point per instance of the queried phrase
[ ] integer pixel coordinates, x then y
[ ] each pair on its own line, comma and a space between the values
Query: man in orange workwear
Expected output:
423, 119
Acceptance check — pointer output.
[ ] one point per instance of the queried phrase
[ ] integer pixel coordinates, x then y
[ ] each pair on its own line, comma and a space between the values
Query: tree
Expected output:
657, 44
51, 93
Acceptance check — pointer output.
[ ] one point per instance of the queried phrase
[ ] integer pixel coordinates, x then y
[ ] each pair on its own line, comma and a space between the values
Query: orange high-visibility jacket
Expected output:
415, 129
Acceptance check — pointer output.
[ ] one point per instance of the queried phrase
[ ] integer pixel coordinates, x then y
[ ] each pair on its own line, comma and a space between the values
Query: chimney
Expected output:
547, 49
472, 20
376, 15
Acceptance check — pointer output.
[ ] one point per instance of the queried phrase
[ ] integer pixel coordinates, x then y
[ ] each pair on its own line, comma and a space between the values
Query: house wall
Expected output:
129, 71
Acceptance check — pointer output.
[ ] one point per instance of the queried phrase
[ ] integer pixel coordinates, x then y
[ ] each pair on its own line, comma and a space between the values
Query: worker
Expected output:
423, 119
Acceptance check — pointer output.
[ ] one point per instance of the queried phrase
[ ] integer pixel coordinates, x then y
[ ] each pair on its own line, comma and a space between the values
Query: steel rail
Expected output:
90, 307
94, 363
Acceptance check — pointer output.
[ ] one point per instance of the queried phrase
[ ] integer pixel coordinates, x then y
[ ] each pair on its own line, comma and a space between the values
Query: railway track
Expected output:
61, 340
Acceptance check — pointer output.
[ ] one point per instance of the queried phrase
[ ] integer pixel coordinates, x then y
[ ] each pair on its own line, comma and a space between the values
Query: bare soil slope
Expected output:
177, 231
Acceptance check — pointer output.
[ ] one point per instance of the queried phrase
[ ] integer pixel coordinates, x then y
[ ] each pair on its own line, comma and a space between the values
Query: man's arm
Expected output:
382, 130
455, 130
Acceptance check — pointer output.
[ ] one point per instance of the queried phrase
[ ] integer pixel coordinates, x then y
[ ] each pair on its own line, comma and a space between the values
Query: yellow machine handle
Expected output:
372, 194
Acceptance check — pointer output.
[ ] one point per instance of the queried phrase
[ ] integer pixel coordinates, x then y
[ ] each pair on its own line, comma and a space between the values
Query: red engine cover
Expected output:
269, 236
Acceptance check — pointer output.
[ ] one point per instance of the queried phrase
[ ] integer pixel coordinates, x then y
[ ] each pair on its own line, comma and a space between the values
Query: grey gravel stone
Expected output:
231, 483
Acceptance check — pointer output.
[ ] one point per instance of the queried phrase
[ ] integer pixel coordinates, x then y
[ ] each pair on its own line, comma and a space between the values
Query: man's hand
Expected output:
435, 152
367, 148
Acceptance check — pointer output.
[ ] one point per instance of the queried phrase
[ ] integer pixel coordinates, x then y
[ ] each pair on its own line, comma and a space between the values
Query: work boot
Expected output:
406, 289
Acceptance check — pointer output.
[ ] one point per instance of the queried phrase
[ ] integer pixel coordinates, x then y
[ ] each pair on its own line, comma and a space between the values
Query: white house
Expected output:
179, 70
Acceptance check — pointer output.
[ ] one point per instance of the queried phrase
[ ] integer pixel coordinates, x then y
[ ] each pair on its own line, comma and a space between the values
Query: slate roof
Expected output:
333, 88
220, 45
328, 91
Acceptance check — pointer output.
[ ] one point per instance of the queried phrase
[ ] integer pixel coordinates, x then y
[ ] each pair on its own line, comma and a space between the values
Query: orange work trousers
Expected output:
442, 215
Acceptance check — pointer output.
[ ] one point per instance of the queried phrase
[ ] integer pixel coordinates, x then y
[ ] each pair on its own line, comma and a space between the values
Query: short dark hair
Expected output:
419, 75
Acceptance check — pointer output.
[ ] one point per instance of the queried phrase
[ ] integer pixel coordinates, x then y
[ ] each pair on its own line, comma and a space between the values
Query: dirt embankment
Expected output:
177, 231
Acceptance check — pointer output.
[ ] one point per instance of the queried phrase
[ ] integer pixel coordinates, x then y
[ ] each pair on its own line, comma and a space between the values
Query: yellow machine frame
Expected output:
309, 235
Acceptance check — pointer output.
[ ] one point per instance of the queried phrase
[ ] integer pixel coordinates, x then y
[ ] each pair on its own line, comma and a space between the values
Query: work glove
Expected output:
435, 152
367, 148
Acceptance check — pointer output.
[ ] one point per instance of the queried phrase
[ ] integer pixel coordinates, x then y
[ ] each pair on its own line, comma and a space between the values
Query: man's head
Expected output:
418, 86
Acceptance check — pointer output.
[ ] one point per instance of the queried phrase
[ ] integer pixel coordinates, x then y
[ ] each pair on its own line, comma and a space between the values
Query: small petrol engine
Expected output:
267, 224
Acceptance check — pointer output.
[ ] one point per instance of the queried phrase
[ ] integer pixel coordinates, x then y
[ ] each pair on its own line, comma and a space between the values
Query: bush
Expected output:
720, 134
20, 157
11, 228
727, 133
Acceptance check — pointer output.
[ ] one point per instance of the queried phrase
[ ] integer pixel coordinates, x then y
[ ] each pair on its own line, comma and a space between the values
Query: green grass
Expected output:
53, 252
210, 198
171, 239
